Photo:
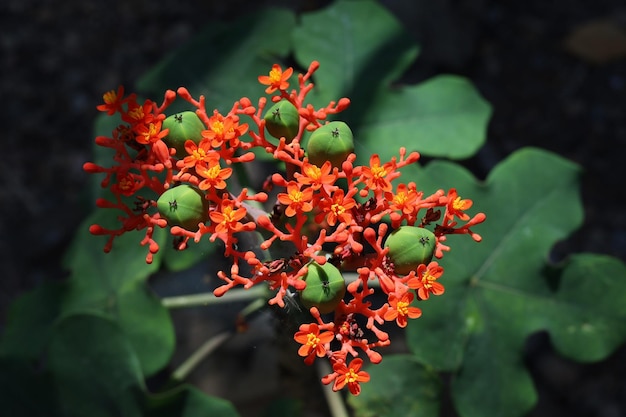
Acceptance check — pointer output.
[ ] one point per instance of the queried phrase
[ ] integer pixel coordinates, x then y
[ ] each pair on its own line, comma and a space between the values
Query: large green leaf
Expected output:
95, 370
113, 284
497, 292
362, 49
187, 401
399, 386
224, 60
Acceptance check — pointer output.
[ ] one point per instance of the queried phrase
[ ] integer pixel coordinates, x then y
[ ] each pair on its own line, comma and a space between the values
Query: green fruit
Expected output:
183, 126
282, 120
332, 142
325, 287
410, 246
183, 206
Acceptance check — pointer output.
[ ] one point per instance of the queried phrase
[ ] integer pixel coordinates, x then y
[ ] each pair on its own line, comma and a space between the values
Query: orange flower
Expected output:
456, 205
214, 175
404, 199
315, 176
112, 101
150, 133
199, 153
338, 207
350, 375
400, 309
426, 280
277, 79
312, 341
227, 219
375, 175
127, 184
222, 129
296, 200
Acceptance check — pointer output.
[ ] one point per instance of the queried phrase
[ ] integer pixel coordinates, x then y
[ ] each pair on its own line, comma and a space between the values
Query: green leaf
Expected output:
399, 386
94, 367
360, 46
187, 401
29, 321
443, 116
362, 49
25, 389
224, 60
497, 292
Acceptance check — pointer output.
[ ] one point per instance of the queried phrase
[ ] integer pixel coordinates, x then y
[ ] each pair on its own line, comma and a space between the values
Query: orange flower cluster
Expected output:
351, 208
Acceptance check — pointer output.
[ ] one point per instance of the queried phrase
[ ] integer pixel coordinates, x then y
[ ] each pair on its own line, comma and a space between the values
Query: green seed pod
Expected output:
183, 126
410, 246
183, 206
325, 287
282, 120
332, 142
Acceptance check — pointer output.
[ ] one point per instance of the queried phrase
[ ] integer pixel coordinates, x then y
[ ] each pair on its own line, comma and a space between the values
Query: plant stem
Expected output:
208, 298
336, 405
198, 356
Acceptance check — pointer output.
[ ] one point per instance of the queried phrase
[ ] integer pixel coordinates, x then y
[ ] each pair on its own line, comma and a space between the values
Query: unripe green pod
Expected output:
325, 287
332, 142
282, 120
410, 246
183, 126
183, 206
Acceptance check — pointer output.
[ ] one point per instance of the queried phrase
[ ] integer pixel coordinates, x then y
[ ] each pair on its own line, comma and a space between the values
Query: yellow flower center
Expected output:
312, 340
275, 75
313, 172
218, 127
402, 308
136, 113
199, 154
295, 196
458, 204
228, 214
351, 376
337, 209
401, 198
378, 171
110, 97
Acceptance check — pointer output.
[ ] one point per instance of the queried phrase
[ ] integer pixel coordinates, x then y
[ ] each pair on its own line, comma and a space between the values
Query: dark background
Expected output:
58, 57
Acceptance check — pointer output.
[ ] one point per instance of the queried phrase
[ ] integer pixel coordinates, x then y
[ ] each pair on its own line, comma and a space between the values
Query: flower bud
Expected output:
183, 206
183, 126
282, 120
410, 246
332, 142
325, 287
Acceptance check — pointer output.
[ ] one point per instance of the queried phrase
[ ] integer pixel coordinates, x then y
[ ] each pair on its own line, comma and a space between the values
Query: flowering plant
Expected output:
348, 203
351, 224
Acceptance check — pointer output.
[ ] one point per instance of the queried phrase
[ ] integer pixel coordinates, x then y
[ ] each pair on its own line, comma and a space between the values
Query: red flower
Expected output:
214, 175
350, 375
112, 101
337, 208
316, 176
222, 129
313, 342
400, 308
426, 280
376, 175
277, 79
199, 153
227, 219
456, 206
296, 200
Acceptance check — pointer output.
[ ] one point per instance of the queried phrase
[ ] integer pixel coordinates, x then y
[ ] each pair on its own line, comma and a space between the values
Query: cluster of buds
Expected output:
333, 214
